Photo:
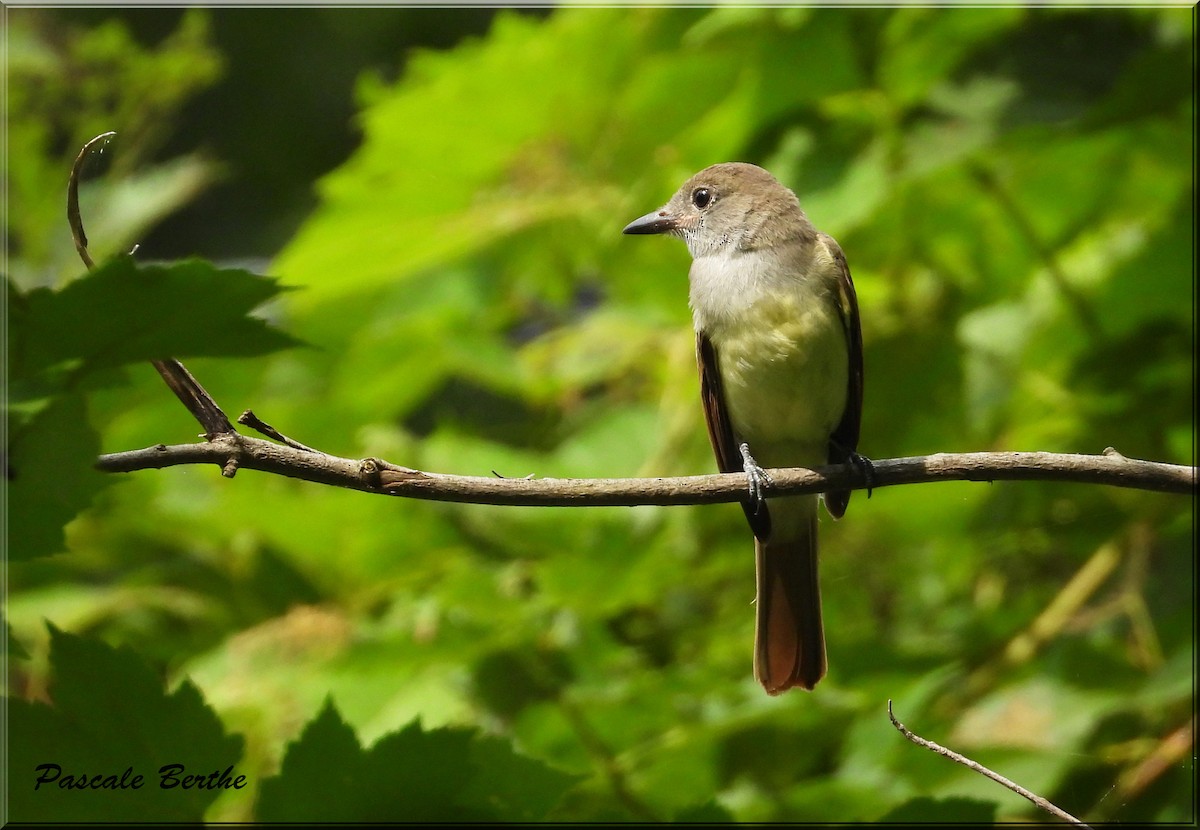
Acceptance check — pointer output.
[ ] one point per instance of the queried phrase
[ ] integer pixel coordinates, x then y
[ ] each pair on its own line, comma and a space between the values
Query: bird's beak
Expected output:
658, 221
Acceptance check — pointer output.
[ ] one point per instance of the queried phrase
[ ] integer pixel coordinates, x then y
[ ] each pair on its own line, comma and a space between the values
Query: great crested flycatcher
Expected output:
780, 354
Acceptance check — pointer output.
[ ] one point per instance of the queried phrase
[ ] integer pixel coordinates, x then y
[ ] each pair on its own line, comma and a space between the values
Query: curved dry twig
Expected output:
73, 217
982, 770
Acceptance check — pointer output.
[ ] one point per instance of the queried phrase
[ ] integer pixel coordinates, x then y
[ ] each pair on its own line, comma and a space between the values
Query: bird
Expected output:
779, 352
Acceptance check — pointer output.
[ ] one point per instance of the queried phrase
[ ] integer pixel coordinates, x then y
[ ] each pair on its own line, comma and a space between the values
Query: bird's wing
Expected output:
844, 441
720, 430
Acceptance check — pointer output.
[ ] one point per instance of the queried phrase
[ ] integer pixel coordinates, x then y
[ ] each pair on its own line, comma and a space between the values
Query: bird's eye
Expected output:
702, 197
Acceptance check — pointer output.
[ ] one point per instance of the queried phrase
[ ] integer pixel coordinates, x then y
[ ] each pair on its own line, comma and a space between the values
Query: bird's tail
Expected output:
789, 640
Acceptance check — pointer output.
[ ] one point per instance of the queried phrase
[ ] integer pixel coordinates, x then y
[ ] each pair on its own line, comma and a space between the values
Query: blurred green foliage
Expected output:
66, 86
1013, 188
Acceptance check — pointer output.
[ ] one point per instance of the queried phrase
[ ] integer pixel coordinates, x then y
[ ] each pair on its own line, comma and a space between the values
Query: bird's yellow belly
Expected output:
785, 372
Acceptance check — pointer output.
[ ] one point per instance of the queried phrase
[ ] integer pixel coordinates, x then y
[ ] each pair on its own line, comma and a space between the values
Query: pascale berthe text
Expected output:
170, 777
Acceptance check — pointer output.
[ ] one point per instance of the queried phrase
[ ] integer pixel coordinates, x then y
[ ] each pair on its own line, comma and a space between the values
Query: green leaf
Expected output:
511, 786
124, 312
325, 757
111, 714
410, 775
51, 477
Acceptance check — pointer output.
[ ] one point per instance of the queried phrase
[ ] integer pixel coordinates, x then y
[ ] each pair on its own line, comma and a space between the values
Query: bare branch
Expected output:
982, 770
194, 396
375, 475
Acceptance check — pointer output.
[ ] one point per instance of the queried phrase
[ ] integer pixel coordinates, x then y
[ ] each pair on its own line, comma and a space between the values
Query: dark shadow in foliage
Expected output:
507, 681
958, 811
708, 813
487, 414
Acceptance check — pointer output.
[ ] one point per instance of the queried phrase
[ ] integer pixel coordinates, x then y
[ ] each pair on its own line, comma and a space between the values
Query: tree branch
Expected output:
232, 451
193, 396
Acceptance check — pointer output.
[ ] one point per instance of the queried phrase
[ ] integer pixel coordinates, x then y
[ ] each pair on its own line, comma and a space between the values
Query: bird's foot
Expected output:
866, 467
759, 481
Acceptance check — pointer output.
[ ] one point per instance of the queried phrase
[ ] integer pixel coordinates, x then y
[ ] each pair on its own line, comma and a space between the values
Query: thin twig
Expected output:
982, 770
248, 418
193, 396
73, 217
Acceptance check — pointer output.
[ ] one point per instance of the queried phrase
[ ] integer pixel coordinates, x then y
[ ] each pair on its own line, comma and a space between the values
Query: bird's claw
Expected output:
758, 479
867, 468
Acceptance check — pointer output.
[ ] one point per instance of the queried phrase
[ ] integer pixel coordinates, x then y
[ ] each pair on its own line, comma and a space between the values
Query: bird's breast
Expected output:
782, 357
